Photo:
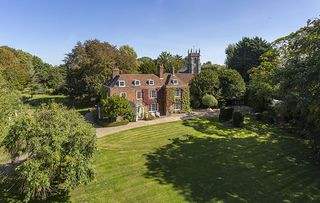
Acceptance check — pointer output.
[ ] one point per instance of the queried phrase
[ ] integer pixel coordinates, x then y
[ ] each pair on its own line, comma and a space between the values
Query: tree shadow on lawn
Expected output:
232, 167
36, 102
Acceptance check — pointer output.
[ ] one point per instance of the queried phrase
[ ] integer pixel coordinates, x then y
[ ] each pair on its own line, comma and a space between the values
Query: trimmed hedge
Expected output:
237, 119
225, 114
115, 106
209, 100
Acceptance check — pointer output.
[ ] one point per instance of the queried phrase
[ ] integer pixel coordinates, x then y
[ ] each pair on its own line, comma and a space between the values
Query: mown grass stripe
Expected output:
217, 163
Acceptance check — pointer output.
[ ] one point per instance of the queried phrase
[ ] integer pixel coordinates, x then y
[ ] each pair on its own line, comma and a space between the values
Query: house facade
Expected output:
158, 94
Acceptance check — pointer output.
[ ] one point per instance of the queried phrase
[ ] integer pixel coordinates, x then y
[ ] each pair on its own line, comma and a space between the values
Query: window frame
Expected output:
154, 110
149, 82
174, 81
151, 96
178, 102
125, 93
137, 92
135, 83
121, 81
180, 92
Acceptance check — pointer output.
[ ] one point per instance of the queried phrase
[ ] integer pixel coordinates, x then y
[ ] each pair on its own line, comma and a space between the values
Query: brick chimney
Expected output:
115, 72
160, 70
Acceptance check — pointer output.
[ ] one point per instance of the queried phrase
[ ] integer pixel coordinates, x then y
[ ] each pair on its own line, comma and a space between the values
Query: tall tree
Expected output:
211, 66
245, 54
48, 76
263, 84
169, 61
165, 58
9, 103
147, 66
16, 66
290, 72
22, 69
231, 83
300, 78
90, 66
229, 53
178, 62
127, 59
128, 50
207, 82
145, 58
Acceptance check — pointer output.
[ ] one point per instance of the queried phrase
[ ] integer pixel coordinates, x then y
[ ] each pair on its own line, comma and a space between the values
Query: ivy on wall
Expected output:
170, 96
184, 99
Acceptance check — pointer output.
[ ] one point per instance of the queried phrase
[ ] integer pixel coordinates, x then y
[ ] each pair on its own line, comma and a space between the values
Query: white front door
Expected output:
139, 112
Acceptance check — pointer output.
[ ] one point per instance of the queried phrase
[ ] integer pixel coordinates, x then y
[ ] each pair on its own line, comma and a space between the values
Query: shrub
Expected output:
225, 114
237, 119
231, 83
266, 116
258, 116
115, 106
207, 82
281, 111
209, 101
58, 145
195, 103
148, 116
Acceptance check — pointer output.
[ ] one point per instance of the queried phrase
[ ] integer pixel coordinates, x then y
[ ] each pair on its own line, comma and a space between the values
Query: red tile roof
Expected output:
183, 78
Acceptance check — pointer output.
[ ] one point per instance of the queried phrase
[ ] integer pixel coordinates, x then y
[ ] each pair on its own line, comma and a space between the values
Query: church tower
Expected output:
194, 65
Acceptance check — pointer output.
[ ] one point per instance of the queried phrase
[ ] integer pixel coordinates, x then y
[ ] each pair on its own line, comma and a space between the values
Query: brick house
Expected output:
158, 94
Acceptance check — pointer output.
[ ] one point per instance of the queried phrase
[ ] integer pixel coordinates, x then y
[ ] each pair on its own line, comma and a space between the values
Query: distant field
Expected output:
202, 160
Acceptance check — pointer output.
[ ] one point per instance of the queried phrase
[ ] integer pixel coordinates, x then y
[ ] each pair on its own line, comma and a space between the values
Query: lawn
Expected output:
202, 160
41, 99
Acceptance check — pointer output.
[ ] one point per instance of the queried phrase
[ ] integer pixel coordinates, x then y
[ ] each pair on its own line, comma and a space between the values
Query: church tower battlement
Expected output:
194, 65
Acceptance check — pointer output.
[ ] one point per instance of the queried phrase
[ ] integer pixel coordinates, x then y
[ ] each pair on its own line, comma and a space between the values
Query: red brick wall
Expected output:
146, 100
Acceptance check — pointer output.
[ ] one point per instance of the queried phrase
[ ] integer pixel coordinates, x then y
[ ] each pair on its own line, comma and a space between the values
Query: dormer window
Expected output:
174, 81
121, 83
136, 83
150, 82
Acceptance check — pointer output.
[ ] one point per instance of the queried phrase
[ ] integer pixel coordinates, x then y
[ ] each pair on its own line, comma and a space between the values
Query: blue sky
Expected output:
51, 28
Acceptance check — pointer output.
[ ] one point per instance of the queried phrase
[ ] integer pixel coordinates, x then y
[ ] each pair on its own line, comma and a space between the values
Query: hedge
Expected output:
225, 114
237, 119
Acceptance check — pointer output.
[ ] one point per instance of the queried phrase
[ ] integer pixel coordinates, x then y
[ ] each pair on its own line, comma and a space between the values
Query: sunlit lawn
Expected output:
40, 99
202, 160
4, 157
